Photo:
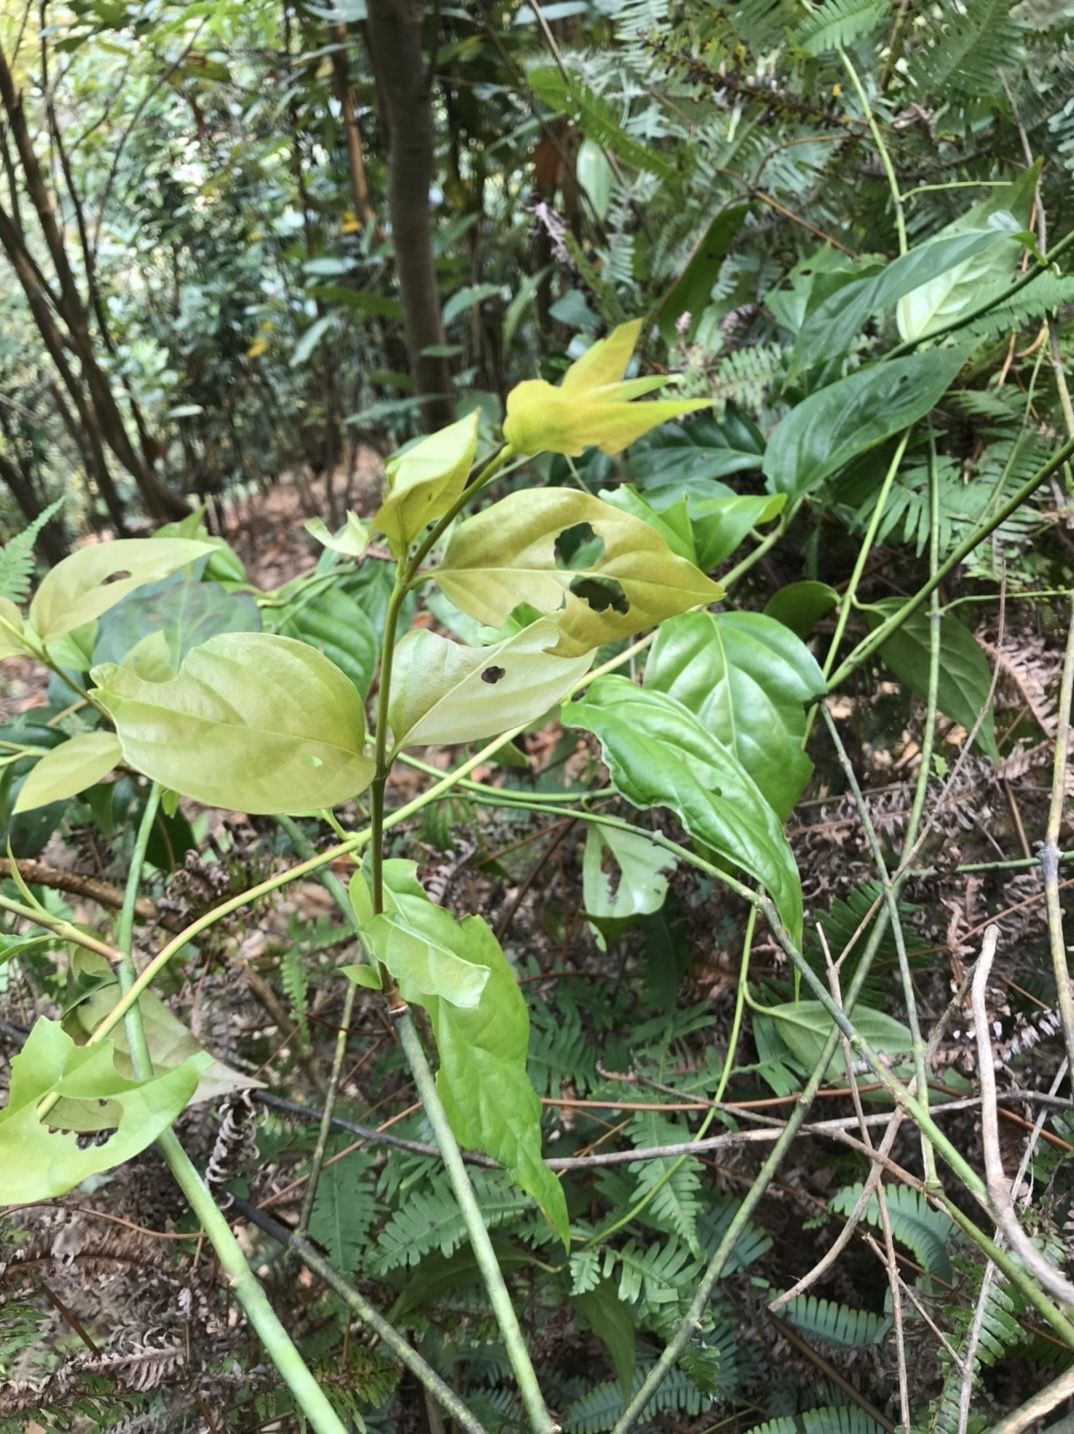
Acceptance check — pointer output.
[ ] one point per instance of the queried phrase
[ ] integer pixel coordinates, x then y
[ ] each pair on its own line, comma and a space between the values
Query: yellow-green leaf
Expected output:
445, 692
94, 579
424, 481
10, 629
351, 540
41, 1159
605, 574
68, 769
593, 405
252, 722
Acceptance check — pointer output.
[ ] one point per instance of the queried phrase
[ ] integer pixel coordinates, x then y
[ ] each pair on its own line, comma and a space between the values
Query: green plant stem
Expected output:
494, 466
277, 1342
847, 604
881, 148
514, 1340
919, 1113
368, 1314
695, 1315
62, 930
305, 848
880, 635
631, 1215
986, 306
768, 542
1049, 855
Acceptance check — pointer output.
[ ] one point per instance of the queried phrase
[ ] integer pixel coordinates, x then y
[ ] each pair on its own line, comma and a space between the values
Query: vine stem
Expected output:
882, 149
491, 1274
1049, 854
880, 635
278, 1344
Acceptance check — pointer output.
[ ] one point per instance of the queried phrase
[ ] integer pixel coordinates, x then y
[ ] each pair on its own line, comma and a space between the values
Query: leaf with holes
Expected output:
170, 1042
42, 1158
69, 769
603, 573
965, 679
424, 481
94, 579
251, 723
180, 612
634, 885
445, 692
848, 417
660, 755
747, 679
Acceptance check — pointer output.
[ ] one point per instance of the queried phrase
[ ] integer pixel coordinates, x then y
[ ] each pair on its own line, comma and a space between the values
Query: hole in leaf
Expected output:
116, 577
578, 547
601, 594
492, 675
310, 759
88, 1139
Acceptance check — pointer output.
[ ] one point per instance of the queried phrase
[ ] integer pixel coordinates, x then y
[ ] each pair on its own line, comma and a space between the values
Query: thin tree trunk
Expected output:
363, 209
160, 501
50, 542
393, 29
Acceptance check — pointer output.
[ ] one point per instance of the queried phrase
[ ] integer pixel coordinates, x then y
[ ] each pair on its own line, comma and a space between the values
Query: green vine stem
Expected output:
278, 1344
367, 1313
881, 148
880, 635
1049, 854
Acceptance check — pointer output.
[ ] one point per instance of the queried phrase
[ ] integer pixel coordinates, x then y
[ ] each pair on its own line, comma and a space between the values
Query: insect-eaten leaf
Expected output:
94, 579
252, 722
660, 755
424, 481
623, 873
69, 769
747, 679
100, 1120
603, 573
443, 692
458, 973
171, 1043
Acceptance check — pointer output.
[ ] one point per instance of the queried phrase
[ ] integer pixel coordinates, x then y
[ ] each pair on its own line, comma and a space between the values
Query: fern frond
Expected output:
745, 375
832, 1419
999, 1333
836, 23
344, 1209
430, 1219
296, 988
836, 1323
975, 41
674, 1185
914, 1223
17, 557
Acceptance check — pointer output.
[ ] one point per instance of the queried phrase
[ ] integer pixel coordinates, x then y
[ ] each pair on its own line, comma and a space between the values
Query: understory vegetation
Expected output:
535, 736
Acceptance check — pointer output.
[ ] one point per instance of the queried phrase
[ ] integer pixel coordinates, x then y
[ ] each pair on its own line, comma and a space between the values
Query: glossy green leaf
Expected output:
947, 295
252, 723
965, 679
182, 611
747, 679
94, 579
67, 770
171, 1043
443, 692
925, 274
721, 525
623, 579
692, 290
41, 1159
660, 755
334, 623
602, 1311
623, 873
457, 972
424, 481
689, 457
595, 176
852, 415
483, 1081
420, 943
800, 606
805, 1026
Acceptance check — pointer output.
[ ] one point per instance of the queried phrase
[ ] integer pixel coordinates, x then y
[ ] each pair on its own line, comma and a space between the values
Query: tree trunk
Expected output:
50, 541
99, 407
393, 29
